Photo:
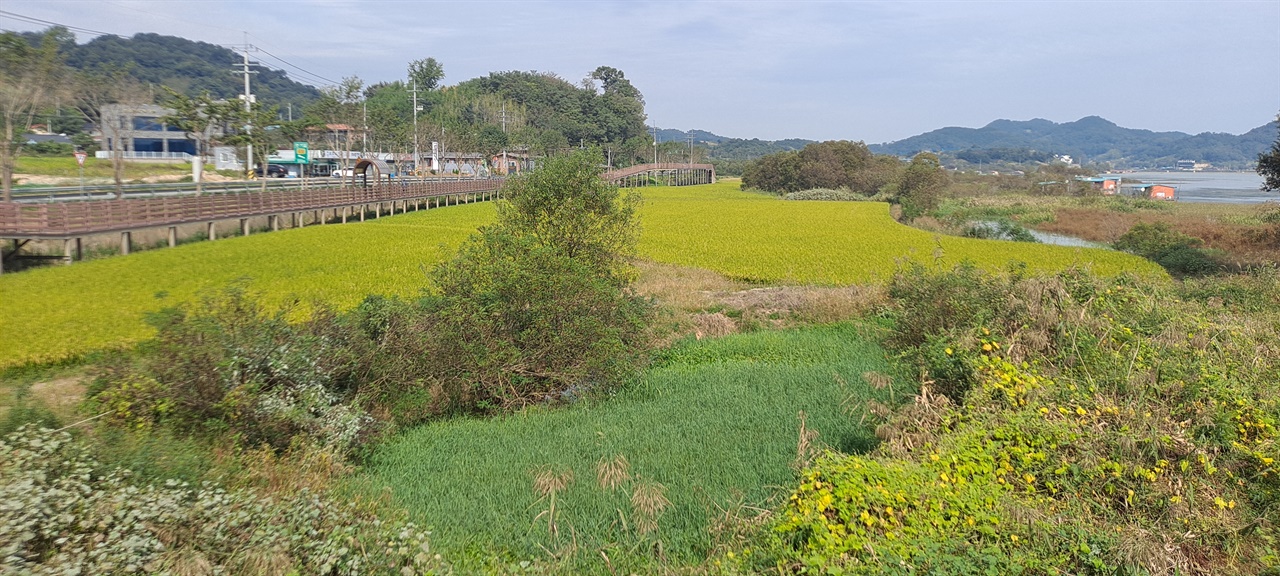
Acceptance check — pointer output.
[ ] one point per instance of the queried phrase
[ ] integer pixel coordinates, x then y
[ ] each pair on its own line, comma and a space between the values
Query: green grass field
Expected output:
54, 313
66, 167
714, 422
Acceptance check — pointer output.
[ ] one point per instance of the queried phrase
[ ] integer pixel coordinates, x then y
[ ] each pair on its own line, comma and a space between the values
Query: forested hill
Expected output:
725, 148
187, 66
1089, 139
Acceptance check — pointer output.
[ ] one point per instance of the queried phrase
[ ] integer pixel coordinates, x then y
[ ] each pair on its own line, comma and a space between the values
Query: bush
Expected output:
842, 194
224, 365
538, 306
63, 513
1176, 252
1109, 426
1002, 229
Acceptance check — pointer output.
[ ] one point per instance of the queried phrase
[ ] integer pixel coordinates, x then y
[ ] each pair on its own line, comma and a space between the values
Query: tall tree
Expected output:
30, 79
1269, 164
103, 87
427, 72
340, 106
198, 117
921, 186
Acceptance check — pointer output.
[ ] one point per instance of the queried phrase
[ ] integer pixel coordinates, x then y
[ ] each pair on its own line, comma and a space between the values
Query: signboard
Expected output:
301, 153
80, 154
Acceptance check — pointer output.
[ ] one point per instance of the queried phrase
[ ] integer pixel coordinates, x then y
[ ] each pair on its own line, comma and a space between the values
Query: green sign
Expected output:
301, 153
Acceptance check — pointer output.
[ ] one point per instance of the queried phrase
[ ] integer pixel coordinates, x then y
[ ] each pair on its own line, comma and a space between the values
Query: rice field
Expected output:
761, 238
714, 425
56, 313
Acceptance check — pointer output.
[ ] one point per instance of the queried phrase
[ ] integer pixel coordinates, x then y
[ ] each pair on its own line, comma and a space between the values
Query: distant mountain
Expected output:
1092, 140
186, 66
699, 136
725, 148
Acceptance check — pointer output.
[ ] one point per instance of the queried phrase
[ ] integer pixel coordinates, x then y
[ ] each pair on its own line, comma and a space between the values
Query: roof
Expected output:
38, 138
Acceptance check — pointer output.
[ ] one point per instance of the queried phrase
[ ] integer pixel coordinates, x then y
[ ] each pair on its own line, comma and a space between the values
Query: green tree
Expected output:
539, 304
1269, 164
198, 117
101, 87
920, 188
30, 79
427, 72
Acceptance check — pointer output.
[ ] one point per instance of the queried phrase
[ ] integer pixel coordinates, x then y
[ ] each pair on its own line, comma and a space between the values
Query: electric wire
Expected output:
34, 20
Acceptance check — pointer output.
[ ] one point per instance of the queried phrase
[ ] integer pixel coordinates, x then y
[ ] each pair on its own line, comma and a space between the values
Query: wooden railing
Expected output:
69, 219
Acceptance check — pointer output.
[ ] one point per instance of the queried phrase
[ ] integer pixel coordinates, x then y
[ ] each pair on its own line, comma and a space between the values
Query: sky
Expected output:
870, 71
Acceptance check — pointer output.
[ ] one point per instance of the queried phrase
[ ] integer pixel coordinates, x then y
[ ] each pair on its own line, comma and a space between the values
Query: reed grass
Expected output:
712, 424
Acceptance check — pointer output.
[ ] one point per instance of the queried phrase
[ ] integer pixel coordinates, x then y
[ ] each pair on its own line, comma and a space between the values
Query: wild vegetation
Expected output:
656, 475
64, 314
1068, 424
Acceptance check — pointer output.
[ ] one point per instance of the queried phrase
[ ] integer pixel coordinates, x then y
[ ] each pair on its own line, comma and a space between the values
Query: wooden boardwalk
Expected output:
61, 220
72, 221
668, 174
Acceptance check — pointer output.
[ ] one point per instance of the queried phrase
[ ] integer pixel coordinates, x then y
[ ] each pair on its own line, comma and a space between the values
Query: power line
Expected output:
296, 67
33, 20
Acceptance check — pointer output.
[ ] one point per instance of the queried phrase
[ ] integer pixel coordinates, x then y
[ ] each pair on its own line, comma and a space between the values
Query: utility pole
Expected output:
655, 142
248, 103
416, 156
690, 136
504, 131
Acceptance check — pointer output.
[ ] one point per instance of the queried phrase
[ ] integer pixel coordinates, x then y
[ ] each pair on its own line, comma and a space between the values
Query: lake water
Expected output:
1228, 187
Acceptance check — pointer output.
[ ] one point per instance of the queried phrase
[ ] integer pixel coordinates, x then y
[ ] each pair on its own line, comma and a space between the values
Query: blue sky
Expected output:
871, 71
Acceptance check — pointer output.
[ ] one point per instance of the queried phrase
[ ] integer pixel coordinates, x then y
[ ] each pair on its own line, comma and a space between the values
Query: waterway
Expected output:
1048, 237
1225, 187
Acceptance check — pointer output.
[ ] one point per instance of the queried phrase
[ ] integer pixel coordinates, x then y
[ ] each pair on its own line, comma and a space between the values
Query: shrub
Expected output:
842, 194
225, 365
538, 306
63, 513
1173, 250
1002, 229
1108, 426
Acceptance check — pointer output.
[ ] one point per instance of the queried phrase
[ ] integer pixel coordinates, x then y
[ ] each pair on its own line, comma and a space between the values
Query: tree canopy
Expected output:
833, 164
1269, 164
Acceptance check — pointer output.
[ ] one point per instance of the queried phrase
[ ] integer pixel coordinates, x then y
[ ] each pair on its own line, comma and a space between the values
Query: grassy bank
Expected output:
714, 427
95, 168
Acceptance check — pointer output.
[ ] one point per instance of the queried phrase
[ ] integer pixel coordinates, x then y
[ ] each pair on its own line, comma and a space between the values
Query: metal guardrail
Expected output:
108, 191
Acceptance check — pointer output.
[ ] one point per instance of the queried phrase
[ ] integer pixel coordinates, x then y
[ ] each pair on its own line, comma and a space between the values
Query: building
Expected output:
136, 129
1108, 185
508, 163
1152, 191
